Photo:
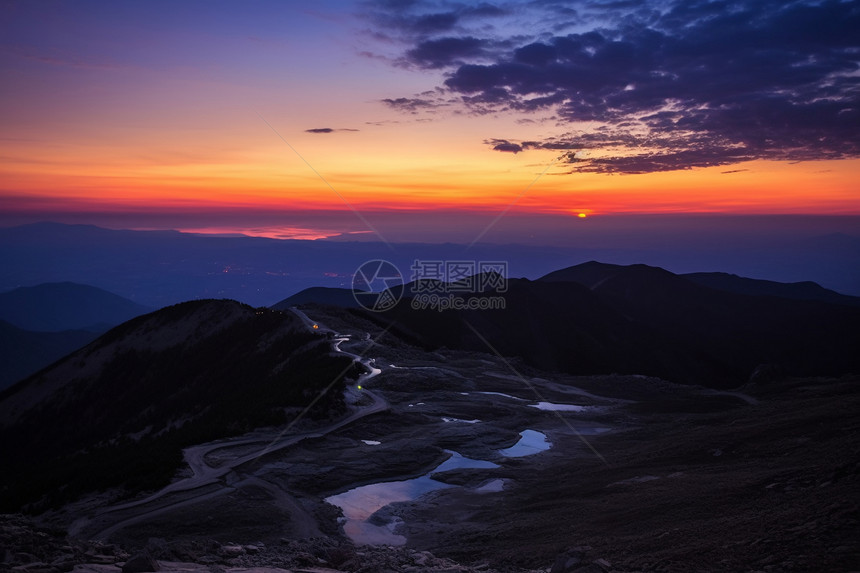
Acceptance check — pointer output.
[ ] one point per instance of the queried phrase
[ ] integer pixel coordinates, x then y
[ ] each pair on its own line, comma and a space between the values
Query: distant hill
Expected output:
124, 406
319, 295
159, 268
591, 274
806, 290
23, 352
343, 297
597, 318
54, 307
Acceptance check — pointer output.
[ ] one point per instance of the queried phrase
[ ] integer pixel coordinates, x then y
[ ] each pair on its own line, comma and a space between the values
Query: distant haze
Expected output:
159, 268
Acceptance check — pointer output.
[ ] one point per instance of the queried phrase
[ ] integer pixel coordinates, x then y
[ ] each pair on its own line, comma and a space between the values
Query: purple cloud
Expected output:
327, 130
505, 146
678, 84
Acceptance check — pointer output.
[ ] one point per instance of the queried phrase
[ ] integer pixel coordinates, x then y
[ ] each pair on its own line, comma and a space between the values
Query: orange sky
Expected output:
387, 171
168, 121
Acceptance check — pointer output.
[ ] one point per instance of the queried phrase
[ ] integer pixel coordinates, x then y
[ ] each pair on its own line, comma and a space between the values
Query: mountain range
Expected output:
43, 323
592, 357
160, 268
805, 290
598, 318
54, 307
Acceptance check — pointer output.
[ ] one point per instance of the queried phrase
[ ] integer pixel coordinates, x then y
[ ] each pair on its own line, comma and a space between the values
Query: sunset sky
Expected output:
280, 118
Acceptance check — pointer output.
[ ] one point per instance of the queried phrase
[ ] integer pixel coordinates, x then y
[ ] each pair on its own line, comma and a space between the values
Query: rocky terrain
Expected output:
29, 548
425, 459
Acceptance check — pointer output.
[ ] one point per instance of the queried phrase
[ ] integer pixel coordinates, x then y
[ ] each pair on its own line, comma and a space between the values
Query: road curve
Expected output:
202, 474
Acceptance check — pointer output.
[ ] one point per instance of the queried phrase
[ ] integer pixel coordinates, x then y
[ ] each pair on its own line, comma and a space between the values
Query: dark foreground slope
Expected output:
599, 319
118, 411
767, 487
652, 476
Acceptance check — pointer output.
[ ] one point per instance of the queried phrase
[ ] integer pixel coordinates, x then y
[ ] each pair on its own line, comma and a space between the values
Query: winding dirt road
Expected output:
193, 489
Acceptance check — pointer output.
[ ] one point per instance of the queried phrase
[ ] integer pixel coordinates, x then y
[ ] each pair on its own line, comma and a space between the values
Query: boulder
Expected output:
140, 563
232, 550
564, 563
158, 548
64, 563
569, 560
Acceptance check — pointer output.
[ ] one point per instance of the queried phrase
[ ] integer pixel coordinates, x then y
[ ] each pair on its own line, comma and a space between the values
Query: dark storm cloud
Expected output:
678, 84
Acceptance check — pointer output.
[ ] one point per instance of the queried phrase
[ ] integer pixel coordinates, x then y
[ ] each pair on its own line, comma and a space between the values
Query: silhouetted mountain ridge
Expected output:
53, 307
319, 295
596, 318
23, 352
805, 290
158, 268
128, 402
346, 298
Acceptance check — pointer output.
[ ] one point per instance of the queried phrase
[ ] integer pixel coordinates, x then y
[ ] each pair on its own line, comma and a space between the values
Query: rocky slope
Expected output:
622, 472
119, 411
29, 548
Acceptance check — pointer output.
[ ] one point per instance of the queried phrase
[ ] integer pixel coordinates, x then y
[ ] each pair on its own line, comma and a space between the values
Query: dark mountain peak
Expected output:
639, 319
185, 374
183, 324
344, 297
54, 307
594, 274
319, 295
